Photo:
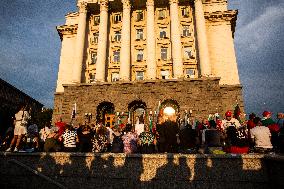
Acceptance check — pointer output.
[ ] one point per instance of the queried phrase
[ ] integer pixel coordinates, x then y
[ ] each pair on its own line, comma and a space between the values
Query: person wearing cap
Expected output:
230, 121
267, 120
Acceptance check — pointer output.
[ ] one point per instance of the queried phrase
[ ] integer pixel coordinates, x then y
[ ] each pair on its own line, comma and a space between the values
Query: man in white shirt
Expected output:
230, 121
261, 136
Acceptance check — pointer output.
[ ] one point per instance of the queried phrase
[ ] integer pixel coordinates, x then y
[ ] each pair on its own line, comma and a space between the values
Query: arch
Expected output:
104, 108
170, 103
136, 109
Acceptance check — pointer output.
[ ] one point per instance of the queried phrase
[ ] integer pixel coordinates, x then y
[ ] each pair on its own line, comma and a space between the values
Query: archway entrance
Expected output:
137, 110
105, 113
169, 108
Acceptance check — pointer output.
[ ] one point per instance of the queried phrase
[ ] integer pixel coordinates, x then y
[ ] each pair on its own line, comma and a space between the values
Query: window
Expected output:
117, 18
187, 53
92, 77
114, 76
94, 57
139, 15
140, 55
165, 74
185, 12
117, 36
164, 53
96, 20
161, 14
185, 31
96, 38
139, 75
163, 33
116, 56
139, 34
190, 73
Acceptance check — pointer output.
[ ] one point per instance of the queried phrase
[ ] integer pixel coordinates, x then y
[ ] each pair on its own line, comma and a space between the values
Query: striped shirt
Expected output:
69, 139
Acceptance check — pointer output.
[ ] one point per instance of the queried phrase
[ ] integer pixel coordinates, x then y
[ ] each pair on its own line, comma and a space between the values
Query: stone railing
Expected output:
86, 170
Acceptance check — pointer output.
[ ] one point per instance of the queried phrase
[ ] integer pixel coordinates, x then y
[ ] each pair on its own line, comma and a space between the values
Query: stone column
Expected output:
124, 73
151, 41
80, 43
102, 44
176, 40
203, 52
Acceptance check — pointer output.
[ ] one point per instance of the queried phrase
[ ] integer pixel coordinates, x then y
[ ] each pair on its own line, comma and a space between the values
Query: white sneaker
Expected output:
16, 150
9, 150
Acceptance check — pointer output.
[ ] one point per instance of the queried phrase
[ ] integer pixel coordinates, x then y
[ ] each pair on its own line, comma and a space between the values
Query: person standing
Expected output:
61, 126
70, 138
21, 121
130, 140
147, 141
213, 139
261, 137
273, 127
171, 134
100, 141
230, 121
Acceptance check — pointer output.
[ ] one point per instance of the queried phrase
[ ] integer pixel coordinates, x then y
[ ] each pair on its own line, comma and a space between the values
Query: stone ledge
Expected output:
165, 155
144, 81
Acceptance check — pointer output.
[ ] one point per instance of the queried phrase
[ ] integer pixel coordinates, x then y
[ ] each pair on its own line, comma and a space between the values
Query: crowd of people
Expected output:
210, 136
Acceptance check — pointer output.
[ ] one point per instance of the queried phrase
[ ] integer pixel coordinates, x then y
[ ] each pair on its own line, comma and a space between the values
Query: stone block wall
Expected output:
78, 170
203, 96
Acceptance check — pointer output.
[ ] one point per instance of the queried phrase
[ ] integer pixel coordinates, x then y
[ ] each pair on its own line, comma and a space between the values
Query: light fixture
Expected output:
169, 111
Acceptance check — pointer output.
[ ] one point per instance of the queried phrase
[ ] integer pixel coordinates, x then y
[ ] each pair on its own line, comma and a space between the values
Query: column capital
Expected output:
150, 3
126, 4
174, 2
103, 5
82, 7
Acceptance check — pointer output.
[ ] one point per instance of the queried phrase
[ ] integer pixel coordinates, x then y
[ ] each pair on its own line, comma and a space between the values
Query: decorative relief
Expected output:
66, 30
195, 1
150, 3
103, 5
126, 4
82, 7
218, 16
174, 2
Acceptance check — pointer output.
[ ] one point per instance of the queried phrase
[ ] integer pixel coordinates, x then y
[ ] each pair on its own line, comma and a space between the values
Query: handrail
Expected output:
37, 173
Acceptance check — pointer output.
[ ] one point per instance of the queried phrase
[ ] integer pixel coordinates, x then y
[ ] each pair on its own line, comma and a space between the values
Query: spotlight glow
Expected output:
169, 111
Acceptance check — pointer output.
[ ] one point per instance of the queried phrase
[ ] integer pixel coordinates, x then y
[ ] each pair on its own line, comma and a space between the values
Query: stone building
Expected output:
122, 55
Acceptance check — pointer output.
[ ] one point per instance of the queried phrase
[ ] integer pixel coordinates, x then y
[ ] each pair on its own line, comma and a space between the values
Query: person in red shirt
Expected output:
61, 126
250, 123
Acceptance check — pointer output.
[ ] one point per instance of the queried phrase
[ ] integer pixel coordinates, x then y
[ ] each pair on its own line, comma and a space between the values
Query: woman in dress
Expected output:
21, 121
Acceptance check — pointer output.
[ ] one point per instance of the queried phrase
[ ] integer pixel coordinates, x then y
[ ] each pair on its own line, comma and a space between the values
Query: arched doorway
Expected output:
105, 113
137, 110
169, 108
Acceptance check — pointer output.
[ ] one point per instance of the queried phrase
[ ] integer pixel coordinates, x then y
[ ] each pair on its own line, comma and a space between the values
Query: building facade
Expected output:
113, 42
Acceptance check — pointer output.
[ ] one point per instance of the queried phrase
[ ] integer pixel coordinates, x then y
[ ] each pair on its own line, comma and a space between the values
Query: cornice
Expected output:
214, 1
223, 16
66, 30
218, 16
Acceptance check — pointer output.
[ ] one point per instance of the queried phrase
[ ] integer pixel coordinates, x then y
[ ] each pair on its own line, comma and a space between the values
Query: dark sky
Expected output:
30, 48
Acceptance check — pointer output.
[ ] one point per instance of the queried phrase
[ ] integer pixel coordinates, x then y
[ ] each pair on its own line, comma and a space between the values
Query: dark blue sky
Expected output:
30, 48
